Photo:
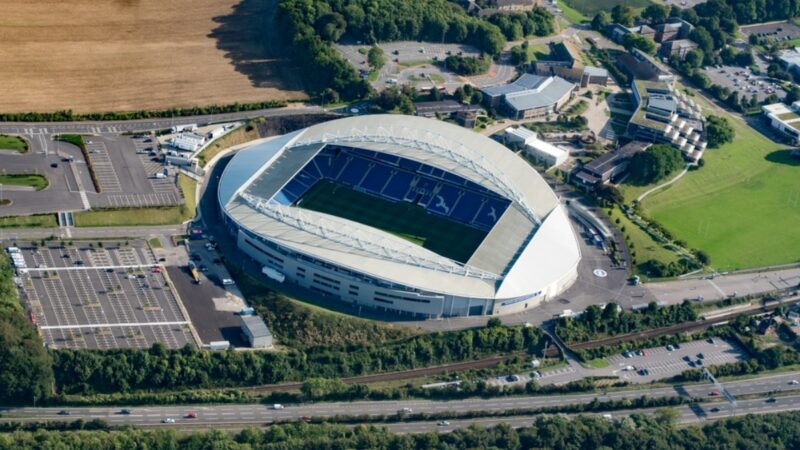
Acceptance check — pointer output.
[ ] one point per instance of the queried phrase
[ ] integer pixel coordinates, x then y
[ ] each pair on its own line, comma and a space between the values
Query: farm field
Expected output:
122, 55
743, 207
589, 8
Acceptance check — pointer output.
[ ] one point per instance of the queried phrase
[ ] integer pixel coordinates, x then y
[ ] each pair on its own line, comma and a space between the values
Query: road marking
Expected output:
114, 325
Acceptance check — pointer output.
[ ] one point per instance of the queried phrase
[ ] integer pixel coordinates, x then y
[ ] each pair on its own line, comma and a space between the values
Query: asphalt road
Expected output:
221, 415
121, 126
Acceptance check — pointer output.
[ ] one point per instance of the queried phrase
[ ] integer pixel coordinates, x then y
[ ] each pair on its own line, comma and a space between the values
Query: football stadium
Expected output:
402, 214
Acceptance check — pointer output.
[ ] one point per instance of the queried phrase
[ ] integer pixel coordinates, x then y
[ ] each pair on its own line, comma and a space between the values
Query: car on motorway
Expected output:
277, 406
191, 415
714, 393
306, 418
406, 410
444, 423
125, 411
772, 400
64, 412
793, 382
714, 410
168, 420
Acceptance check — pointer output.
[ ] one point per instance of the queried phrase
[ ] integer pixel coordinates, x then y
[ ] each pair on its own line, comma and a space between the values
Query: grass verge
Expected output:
154, 242
572, 15
35, 221
37, 182
643, 247
13, 143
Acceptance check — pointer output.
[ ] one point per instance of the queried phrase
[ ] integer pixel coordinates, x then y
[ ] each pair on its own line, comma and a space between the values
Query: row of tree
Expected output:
613, 320
556, 432
126, 370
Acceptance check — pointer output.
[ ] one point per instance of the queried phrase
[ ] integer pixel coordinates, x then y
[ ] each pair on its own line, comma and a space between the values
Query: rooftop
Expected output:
256, 326
607, 161
546, 94
525, 82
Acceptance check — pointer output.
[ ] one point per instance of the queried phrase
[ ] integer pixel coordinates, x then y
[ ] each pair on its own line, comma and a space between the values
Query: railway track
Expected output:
679, 328
393, 376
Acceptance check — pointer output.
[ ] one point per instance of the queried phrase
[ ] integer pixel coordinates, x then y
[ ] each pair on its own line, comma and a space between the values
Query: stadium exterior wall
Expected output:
337, 283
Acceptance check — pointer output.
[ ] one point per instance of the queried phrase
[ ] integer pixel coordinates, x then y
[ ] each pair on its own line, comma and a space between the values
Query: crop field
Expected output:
743, 207
439, 235
590, 8
122, 55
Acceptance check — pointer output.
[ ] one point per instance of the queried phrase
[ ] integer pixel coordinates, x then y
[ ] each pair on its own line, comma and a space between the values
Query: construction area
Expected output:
99, 295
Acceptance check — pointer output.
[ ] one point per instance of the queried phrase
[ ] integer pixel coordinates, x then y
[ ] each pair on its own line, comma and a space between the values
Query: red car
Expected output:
156, 270
714, 393
191, 415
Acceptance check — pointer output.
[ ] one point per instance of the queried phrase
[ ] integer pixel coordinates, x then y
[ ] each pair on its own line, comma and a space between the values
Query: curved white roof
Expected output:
543, 243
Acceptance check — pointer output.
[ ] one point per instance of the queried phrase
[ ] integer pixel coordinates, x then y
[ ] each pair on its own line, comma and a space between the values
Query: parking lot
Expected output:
126, 169
213, 307
781, 31
411, 62
101, 296
661, 363
744, 82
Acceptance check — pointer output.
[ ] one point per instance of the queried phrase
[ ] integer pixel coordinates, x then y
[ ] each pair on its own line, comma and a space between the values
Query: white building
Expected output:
785, 119
528, 252
190, 142
256, 332
542, 151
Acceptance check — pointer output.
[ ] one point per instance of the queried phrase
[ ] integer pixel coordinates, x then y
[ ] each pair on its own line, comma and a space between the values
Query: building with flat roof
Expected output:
609, 166
256, 332
679, 47
790, 59
565, 61
329, 207
785, 119
465, 115
665, 115
641, 66
530, 96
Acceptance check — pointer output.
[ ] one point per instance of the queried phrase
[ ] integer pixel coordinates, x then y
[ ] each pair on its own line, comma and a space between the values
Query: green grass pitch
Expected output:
437, 234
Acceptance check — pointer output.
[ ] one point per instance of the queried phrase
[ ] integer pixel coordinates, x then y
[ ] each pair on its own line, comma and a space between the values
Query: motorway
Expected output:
239, 415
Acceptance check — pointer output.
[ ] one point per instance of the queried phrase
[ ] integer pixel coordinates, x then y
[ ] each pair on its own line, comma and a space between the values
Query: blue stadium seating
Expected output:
391, 177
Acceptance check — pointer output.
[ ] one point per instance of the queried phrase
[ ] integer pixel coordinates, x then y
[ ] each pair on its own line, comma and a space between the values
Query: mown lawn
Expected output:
590, 8
37, 182
13, 143
643, 245
571, 14
235, 137
743, 207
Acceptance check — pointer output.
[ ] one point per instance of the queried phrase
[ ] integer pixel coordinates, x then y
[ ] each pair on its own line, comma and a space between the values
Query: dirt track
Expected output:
99, 55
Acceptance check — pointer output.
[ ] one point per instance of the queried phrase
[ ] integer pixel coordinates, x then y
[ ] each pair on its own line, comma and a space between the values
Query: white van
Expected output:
227, 282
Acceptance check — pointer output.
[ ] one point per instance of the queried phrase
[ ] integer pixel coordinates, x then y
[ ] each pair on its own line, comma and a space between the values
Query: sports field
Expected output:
437, 234
743, 207
590, 8
114, 55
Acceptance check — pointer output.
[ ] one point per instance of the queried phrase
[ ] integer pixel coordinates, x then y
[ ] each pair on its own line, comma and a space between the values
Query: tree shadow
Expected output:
251, 40
788, 157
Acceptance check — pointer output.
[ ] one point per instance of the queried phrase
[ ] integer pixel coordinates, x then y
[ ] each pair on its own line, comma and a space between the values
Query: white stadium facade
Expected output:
526, 251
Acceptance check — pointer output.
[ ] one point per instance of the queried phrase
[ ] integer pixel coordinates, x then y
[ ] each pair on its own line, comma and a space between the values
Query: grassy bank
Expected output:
238, 136
37, 182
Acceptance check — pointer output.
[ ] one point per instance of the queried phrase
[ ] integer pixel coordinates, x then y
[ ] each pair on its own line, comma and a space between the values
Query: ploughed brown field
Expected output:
121, 55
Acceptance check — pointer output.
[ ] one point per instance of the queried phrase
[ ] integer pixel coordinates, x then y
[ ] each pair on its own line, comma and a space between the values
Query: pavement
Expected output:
228, 415
722, 286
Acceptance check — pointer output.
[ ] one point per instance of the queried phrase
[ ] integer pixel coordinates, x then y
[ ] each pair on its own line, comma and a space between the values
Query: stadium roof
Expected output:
256, 173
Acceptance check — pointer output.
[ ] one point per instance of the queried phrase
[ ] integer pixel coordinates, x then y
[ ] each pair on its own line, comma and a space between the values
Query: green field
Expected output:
743, 207
571, 14
37, 182
35, 221
437, 234
13, 143
589, 8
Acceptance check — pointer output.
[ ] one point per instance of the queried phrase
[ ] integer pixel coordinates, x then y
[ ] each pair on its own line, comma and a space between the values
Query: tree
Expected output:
375, 57
519, 55
792, 95
694, 58
702, 257
601, 21
703, 40
655, 163
643, 43
623, 15
655, 13
331, 26
719, 131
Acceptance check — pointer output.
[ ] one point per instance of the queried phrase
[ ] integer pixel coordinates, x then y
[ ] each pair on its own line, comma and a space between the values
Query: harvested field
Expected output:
122, 55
